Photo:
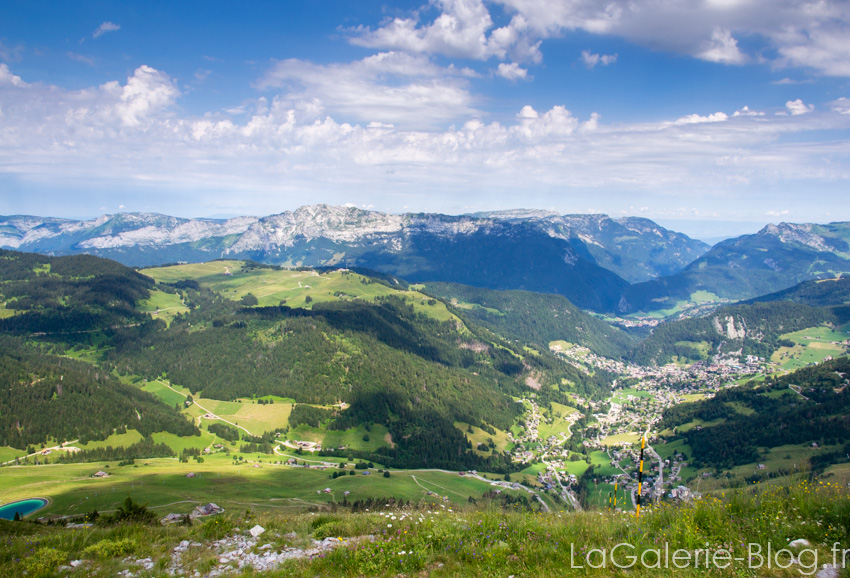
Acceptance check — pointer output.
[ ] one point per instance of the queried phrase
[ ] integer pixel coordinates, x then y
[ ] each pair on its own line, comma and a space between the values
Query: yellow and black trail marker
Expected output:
640, 477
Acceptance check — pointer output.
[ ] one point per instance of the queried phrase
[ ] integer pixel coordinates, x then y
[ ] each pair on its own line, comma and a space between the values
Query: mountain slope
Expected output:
49, 396
748, 329
775, 258
634, 248
814, 410
536, 318
822, 293
73, 294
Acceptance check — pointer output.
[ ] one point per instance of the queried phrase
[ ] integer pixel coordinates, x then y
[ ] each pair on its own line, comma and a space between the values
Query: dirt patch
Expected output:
533, 382
475, 346
389, 439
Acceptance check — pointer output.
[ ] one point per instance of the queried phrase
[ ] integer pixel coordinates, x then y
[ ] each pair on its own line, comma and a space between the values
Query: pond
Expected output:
23, 507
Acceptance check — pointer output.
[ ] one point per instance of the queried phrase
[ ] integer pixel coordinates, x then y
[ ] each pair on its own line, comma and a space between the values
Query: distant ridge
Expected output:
591, 259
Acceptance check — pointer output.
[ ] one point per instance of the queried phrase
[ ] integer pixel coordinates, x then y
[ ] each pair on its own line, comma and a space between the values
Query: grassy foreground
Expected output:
725, 535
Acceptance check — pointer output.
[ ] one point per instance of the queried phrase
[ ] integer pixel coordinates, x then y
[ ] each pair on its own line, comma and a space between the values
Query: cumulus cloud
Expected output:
104, 28
591, 59
797, 107
722, 48
810, 34
695, 118
131, 132
463, 29
392, 87
747, 112
512, 71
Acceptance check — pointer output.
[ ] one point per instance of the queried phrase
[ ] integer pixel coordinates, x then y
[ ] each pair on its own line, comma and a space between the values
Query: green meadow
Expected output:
293, 288
811, 345
259, 484
162, 305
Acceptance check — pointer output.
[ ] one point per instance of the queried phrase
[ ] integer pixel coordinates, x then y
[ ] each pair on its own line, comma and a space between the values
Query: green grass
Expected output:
576, 468
255, 417
166, 395
353, 438
559, 424
812, 345
270, 487
179, 443
8, 454
271, 287
740, 408
162, 305
621, 395
115, 440
703, 348
479, 436
448, 540
618, 439
690, 397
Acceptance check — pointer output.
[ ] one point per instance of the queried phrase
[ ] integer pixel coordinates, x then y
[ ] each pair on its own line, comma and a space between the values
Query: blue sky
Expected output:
714, 116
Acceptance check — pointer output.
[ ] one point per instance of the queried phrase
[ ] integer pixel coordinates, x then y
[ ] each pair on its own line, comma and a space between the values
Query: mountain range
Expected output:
623, 265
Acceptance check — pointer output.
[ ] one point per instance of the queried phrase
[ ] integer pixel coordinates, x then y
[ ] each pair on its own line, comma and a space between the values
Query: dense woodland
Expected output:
827, 293
774, 415
44, 395
68, 296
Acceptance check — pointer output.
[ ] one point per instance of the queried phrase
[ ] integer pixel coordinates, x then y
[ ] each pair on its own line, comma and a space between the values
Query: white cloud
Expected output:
810, 33
695, 118
463, 29
391, 87
7, 78
778, 214
104, 28
591, 59
842, 105
512, 71
798, 107
747, 112
131, 134
145, 93
722, 48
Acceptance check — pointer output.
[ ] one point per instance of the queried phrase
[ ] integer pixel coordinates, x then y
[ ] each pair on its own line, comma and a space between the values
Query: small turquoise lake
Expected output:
23, 507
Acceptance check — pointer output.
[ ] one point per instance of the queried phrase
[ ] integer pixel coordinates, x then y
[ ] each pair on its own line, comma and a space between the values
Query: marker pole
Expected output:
640, 477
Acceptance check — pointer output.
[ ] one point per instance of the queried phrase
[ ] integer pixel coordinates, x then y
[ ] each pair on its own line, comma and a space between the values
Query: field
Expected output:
352, 438
696, 298
292, 288
559, 423
621, 396
249, 415
791, 458
115, 440
259, 485
619, 439
812, 345
479, 436
161, 305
